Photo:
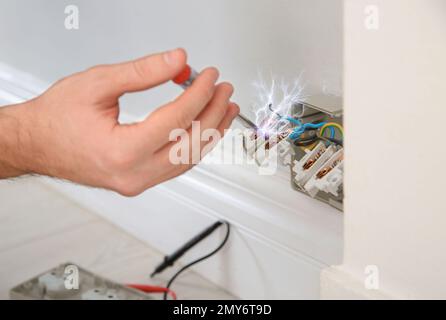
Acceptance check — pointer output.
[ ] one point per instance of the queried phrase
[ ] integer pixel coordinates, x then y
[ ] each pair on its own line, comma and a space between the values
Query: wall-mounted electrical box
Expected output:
311, 146
71, 282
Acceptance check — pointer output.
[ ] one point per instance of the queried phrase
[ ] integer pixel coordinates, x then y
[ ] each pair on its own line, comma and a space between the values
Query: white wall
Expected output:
283, 37
395, 106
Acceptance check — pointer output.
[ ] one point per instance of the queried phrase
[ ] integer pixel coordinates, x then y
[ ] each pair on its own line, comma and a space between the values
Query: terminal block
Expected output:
323, 181
329, 177
314, 159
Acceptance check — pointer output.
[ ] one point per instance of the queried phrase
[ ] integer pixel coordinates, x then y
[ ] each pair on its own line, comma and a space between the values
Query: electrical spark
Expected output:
274, 104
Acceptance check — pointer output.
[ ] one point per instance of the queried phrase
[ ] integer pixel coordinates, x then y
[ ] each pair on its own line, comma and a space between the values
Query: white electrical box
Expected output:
71, 282
314, 155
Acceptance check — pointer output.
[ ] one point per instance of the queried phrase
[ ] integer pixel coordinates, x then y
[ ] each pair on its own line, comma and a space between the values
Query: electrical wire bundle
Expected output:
319, 133
319, 130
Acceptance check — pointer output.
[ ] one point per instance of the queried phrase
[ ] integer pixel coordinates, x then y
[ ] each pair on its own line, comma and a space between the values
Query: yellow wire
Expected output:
332, 124
322, 130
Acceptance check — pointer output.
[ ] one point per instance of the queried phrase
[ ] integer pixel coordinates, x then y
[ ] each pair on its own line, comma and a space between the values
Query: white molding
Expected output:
281, 241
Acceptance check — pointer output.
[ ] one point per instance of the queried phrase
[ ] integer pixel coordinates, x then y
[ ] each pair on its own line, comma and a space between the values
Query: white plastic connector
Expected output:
262, 150
285, 151
329, 177
306, 167
253, 142
277, 147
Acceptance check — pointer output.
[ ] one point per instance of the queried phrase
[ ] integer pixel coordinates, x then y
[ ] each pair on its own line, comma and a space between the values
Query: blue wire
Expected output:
332, 132
295, 121
298, 131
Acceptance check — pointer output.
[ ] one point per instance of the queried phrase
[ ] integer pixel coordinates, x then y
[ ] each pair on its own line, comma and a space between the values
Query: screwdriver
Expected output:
185, 79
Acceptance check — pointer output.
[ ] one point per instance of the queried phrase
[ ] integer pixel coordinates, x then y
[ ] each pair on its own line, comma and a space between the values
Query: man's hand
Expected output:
72, 131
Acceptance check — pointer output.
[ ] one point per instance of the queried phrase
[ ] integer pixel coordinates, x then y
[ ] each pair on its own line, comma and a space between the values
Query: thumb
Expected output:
144, 73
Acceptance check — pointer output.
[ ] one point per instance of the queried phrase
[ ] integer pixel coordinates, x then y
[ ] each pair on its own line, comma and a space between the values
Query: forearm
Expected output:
12, 141
31, 142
